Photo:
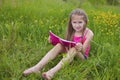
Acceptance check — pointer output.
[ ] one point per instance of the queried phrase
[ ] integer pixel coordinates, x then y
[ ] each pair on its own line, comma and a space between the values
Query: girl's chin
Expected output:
78, 30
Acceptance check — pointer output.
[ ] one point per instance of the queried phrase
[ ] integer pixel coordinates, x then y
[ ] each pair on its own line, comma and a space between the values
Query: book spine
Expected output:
61, 42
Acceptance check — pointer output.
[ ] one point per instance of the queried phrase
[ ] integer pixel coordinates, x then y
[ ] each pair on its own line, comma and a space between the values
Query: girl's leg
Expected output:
69, 57
49, 56
80, 55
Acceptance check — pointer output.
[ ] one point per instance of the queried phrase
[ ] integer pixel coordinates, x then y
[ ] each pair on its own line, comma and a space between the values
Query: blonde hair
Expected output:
70, 30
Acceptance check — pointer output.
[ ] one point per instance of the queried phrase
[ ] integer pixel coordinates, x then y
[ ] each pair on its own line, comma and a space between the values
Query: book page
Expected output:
53, 38
56, 39
68, 43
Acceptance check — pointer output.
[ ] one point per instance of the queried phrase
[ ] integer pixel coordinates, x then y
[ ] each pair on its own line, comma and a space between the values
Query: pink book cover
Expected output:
56, 39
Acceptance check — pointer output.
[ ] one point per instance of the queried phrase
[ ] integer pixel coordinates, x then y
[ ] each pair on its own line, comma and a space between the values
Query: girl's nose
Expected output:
77, 24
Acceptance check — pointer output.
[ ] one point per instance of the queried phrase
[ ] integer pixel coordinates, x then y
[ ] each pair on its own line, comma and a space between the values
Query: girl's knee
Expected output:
72, 51
59, 47
70, 54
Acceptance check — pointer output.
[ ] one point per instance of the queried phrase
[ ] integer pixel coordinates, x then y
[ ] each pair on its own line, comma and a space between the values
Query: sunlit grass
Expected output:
23, 40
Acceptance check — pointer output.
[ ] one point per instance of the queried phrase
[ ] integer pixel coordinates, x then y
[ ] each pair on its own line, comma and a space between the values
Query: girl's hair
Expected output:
70, 30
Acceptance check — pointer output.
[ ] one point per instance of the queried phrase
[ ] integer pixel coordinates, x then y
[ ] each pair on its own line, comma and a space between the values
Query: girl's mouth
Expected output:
78, 27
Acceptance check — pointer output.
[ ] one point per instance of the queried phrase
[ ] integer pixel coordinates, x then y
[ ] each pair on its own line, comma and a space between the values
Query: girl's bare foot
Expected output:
31, 70
47, 75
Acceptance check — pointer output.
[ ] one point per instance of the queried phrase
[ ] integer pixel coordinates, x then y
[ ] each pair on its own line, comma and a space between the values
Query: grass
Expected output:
24, 30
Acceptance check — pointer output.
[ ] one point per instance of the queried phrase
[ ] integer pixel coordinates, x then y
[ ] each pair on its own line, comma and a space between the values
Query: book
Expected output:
56, 39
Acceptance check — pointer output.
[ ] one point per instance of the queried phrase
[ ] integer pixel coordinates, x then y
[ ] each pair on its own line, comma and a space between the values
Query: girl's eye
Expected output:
80, 21
74, 22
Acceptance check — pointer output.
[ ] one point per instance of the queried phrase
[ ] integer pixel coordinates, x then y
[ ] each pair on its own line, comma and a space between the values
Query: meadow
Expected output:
24, 27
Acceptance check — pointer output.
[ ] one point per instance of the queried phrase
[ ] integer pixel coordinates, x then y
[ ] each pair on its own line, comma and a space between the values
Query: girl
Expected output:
76, 31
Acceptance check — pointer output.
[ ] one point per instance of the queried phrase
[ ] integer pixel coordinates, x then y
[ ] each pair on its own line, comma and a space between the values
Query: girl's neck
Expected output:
78, 34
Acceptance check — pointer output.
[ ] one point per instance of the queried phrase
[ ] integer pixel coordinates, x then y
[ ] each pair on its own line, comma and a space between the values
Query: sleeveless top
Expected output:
82, 40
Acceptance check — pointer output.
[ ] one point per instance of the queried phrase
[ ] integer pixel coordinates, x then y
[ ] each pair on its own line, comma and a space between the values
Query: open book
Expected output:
55, 39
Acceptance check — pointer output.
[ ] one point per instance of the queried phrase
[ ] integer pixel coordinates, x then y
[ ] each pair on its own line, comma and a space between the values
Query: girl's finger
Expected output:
66, 49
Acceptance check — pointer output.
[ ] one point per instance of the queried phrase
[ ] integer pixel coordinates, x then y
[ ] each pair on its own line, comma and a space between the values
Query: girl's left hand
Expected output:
79, 46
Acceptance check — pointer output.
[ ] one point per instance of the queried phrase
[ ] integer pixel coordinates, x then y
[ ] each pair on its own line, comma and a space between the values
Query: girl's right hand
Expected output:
79, 46
49, 39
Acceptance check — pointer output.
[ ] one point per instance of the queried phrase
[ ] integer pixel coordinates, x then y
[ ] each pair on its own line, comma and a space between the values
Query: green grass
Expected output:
24, 28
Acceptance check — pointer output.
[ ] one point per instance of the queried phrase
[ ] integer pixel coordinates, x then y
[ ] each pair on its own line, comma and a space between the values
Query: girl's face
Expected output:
77, 22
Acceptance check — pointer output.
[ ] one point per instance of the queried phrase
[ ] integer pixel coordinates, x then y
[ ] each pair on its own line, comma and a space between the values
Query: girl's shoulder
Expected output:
89, 32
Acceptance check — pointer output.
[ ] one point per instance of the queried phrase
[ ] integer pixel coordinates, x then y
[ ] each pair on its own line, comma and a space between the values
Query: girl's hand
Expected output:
49, 39
79, 46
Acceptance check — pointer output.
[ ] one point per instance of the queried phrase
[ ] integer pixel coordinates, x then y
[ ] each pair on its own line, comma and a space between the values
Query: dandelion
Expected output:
107, 22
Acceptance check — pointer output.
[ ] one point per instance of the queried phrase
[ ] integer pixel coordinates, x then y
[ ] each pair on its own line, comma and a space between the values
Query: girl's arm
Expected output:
82, 48
89, 37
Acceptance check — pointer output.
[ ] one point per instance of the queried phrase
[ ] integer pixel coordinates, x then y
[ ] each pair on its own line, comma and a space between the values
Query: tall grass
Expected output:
24, 28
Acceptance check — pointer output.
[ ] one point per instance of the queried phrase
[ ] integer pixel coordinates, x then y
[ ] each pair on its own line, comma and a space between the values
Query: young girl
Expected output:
76, 31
